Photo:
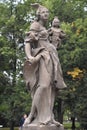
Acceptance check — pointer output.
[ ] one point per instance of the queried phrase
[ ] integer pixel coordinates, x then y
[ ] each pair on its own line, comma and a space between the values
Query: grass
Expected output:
67, 125
5, 128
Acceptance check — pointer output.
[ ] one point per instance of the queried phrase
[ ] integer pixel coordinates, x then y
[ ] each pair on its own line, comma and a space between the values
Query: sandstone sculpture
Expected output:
42, 70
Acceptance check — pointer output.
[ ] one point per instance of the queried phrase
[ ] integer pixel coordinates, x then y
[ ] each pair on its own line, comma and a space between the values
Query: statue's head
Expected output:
56, 22
42, 12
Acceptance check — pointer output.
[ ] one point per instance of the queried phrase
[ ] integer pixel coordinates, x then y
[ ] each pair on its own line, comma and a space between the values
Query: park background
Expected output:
15, 18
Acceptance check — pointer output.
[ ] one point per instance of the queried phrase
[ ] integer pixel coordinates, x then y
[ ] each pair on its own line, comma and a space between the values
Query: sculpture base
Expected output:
42, 127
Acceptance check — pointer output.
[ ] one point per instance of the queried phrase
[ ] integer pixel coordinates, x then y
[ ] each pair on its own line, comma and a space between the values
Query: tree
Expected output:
82, 102
73, 57
67, 10
13, 96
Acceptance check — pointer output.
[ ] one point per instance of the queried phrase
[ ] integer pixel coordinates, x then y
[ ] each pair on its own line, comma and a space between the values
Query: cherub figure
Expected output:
56, 34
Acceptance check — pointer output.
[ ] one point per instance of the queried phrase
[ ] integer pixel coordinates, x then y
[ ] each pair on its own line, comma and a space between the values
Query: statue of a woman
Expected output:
42, 70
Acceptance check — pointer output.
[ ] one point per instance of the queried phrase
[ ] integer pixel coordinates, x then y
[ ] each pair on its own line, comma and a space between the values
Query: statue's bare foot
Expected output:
45, 122
57, 123
42, 123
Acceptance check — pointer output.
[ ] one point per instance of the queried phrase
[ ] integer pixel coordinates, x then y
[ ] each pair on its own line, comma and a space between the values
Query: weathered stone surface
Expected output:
42, 71
43, 127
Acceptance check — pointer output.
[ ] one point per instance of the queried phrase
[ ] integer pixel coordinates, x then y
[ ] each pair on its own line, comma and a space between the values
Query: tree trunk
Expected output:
73, 123
60, 111
12, 125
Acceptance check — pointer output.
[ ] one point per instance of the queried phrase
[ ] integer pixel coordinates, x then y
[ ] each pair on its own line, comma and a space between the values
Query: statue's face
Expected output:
56, 22
44, 14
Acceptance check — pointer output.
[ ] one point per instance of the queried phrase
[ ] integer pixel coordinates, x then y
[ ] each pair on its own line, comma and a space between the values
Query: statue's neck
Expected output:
43, 23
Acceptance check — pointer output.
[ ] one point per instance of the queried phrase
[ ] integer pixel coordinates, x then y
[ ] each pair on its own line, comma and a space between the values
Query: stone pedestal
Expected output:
43, 127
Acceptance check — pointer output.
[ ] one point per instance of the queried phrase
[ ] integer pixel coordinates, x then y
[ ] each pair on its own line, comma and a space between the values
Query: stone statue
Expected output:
55, 33
42, 70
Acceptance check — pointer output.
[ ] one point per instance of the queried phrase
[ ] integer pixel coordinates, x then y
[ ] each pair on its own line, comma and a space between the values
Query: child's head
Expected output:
25, 116
56, 22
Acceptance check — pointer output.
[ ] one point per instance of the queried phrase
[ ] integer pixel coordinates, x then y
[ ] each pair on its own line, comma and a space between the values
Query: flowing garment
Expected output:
44, 77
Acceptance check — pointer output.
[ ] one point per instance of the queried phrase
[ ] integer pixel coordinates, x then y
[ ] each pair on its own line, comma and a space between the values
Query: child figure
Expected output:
55, 33
22, 122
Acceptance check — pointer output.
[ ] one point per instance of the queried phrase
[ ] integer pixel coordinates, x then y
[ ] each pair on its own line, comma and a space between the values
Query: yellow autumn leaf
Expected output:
78, 31
73, 24
76, 73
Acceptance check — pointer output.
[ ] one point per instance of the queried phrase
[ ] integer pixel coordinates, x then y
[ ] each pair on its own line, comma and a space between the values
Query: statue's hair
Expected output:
39, 8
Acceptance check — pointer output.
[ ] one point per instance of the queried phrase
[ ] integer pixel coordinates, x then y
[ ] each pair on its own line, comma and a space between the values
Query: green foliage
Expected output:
67, 10
73, 53
14, 100
82, 104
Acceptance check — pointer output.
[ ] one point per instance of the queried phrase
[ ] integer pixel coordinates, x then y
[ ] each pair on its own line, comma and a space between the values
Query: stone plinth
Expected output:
43, 127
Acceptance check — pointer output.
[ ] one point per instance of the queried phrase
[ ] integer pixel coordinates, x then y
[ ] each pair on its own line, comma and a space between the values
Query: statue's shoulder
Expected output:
35, 26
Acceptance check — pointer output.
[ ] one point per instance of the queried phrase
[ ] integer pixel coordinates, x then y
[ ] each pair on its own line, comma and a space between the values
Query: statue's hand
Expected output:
37, 58
32, 59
